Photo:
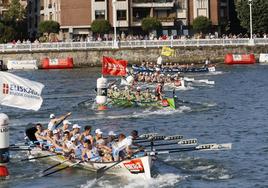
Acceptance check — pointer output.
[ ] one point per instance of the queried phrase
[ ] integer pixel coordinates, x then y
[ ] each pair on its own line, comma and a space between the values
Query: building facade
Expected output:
75, 17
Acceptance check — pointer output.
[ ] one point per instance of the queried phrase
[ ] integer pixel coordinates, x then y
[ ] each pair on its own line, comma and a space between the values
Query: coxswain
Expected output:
53, 123
159, 91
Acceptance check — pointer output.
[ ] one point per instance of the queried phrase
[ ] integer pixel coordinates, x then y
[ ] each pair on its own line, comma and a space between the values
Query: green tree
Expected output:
259, 15
15, 12
6, 33
14, 20
100, 26
150, 23
201, 24
48, 27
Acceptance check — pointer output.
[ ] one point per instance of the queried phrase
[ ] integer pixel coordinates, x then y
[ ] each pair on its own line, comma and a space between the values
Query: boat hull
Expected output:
133, 168
157, 104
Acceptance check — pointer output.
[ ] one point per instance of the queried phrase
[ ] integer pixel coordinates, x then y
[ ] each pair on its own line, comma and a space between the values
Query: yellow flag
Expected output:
167, 51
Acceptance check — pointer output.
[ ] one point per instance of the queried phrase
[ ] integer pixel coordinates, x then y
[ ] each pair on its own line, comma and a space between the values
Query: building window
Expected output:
99, 14
182, 4
99, 0
121, 15
202, 3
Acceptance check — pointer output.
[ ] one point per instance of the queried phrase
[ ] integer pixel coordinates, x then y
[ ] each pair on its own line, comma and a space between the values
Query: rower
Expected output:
40, 134
98, 138
147, 95
76, 130
65, 126
89, 152
86, 135
124, 143
54, 121
138, 94
56, 141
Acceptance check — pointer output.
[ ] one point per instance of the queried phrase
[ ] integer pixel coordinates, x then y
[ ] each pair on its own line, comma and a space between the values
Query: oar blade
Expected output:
100, 172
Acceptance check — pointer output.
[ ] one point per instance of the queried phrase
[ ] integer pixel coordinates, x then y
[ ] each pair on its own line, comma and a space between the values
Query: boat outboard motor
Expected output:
4, 146
101, 97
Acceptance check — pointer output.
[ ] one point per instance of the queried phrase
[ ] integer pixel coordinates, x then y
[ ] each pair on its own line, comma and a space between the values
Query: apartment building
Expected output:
75, 17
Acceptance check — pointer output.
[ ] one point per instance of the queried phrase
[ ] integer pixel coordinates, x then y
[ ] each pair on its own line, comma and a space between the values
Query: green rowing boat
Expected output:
167, 102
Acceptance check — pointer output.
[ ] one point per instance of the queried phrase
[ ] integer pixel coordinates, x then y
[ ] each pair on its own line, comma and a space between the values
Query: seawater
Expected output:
234, 110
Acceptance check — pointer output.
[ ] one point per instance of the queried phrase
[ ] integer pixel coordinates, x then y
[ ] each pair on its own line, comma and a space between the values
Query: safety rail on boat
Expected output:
10, 47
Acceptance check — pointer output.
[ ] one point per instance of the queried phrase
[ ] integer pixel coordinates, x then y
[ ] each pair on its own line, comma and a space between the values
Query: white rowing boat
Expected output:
139, 168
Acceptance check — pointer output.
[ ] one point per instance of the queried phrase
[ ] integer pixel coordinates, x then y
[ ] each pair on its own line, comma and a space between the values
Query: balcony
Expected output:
153, 3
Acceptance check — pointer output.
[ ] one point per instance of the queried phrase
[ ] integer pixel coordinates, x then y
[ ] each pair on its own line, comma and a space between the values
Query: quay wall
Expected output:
87, 58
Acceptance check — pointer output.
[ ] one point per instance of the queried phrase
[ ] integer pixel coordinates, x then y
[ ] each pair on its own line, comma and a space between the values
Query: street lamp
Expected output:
114, 23
250, 21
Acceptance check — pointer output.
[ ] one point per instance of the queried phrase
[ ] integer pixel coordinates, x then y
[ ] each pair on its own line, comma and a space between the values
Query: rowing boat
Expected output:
139, 167
138, 69
167, 102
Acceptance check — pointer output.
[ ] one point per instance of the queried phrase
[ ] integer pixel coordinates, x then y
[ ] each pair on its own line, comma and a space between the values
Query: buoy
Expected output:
101, 97
4, 145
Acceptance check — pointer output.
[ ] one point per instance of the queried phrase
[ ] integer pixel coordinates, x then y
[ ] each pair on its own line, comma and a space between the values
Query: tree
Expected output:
100, 26
150, 23
48, 27
14, 21
6, 33
201, 24
15, 12
259, 15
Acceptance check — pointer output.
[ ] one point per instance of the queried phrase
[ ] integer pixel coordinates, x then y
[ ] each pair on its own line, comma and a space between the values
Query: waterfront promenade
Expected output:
87, 54
95, 45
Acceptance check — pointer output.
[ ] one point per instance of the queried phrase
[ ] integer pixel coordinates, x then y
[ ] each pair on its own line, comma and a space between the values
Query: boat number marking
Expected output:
134, 166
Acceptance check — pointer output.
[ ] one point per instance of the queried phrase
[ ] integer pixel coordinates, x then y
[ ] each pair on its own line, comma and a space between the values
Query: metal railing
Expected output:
95, 45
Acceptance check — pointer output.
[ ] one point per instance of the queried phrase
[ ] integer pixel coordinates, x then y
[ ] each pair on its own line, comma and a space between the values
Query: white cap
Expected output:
73, 138
55, 131
67, 122
111, 133
138, 88
98, 131
76, 126
52, 116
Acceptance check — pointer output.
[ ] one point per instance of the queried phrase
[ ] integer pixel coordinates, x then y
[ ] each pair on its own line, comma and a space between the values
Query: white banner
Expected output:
20, 92
263, 58
22, 64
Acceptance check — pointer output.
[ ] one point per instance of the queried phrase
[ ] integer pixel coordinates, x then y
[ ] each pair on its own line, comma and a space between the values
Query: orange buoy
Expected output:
232, 59
102, 107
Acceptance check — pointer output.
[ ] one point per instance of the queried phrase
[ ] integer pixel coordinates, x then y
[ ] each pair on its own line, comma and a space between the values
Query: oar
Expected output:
40, 157
182, 142
160, 138
67, 115
101, 171
205, 147
53, 166
58, 170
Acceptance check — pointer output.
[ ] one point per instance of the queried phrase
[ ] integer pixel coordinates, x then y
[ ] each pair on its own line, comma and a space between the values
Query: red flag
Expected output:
114, 67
